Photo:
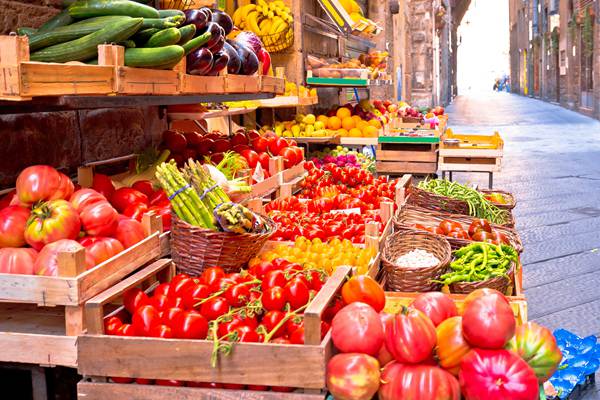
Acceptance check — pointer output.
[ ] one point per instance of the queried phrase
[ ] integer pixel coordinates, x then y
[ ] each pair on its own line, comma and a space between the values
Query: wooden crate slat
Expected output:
408, 156
406, 167
103, 391
191, 84
38, 349
242, 84
480, 153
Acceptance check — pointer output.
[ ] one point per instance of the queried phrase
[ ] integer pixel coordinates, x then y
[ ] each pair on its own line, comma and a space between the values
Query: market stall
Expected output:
270, 241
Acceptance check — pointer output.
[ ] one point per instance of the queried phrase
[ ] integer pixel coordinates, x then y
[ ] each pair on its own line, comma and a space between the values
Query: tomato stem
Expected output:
285, 319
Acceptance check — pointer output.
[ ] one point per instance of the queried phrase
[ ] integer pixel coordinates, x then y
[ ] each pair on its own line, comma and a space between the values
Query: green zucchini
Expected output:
61, 19
187, 33
86, 47
71, 32
170, 13
99, 8
196, 42
163, 23
128, 44
153, 57
25, 31
166, 37
144, 35
99, 20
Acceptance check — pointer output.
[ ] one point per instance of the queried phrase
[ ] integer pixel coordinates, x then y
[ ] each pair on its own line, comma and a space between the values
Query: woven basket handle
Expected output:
312, 315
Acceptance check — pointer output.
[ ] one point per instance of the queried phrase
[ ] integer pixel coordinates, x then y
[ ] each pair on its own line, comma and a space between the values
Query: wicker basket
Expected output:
400, 279
408, 216
278, 42
500, 283
511, 201
193, 248
431, 201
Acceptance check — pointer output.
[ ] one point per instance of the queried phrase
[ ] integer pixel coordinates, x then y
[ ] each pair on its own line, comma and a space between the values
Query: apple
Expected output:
260, 144
221, 146
239, 139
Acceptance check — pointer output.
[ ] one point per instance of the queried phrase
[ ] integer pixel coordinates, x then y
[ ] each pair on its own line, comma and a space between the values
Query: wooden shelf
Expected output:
358, 141
210, 114
288, 101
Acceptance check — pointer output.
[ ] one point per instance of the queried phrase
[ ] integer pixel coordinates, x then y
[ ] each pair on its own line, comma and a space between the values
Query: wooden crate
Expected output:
475, 153
193, 84
416, 158
87, 390
395, 300
272, 84
138, 81
266, 188
243, 84
299, 366
21, 79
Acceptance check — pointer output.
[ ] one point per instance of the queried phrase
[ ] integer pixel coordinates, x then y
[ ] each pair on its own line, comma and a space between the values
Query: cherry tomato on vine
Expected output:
272, 279
214, 308
163, 289
271, 320
112, 325
212, 276
133, 299
191, 325
238, 295
273, 299
246, 334
194, 294
296, 293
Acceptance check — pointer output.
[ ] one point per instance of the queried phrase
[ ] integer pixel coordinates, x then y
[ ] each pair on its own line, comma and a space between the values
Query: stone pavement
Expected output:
552, 164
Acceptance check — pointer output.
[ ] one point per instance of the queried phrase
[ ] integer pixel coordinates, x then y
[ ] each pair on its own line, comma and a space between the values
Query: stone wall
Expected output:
67, 139
421, 52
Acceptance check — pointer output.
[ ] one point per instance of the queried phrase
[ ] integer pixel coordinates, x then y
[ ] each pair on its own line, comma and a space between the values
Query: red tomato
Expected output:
181, 286
84, 198
479, 225
409, 381
124, 197
143, 381
129, 232
191, 325
437, 230
271, 320
316, 280
112, 325
13, 221
482, 236
246, 334
448, 226
258, 388
353, 376
297, 337
357, 328
103, 185
161, 302
144, 319
263, 159
272, 279
497, 375
134, 298
8, 198
293, 324
488, 322
211, 385
436, 305
174, 141
121, 380
364, 289
144, 186
17, 260
212, 276
52, 221
167, 382
163, 289
37, 183
161, 331
171, 317
273, 299
410, 336
296, 293
259, 270
99, 219
289, 157
251, 157
165, 215
101, 250
46, 262
459, 234
159, 199
233, 386
126, 330
282, 389
238, 295
136, 211
214, 308
194, 294
475, 294
451, 345
332, 310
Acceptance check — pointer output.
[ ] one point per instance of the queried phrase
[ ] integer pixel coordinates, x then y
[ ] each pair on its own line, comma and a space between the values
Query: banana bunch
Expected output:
270, 21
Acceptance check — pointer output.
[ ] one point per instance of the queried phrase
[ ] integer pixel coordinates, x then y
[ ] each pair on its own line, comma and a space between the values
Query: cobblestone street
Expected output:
552, 164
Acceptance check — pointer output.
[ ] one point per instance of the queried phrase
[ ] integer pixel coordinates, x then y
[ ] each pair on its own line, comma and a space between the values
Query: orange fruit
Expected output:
356, 119
362, 125
343, 112
354, 132
376, 123
334, 123
342, 132
323, 119
348, 123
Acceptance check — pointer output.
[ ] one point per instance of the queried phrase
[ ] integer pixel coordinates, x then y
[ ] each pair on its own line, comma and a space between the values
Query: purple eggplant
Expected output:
216, 32
220, 61
208, 12
217, 46
198, 18
223, 19
247, 57
199, 62
235, 64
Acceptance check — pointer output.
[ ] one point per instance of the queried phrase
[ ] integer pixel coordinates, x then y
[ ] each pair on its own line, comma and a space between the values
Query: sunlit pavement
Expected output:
552, 164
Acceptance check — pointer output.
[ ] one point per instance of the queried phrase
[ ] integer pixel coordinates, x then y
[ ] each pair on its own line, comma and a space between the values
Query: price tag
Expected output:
346, 211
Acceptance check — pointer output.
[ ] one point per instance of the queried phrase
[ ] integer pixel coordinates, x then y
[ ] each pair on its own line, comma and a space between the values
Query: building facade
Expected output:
554, 54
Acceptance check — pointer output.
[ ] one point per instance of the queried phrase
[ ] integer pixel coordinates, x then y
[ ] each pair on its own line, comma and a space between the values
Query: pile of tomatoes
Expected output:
312, 225
263, 304
479, 230
430, 351
47, 214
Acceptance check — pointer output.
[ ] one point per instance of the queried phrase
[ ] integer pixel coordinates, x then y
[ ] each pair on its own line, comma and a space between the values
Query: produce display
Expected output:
343, 157
47, 214
270, 20
360, 120
479, 230
263, 304
152, 38
361, 23
497, 198
372, 65
317, 254
479, 262
479, 206
481, 352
